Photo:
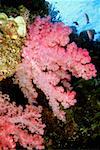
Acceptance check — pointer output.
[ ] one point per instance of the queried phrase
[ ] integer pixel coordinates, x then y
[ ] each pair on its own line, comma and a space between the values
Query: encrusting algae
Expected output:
11, 41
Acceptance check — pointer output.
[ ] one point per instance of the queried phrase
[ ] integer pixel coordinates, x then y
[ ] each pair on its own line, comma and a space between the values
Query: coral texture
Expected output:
10, 46
18, 125
48, 63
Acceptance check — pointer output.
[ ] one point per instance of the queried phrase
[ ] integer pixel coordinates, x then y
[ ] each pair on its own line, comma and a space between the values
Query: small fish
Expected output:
90, 33
87, 18
76, 23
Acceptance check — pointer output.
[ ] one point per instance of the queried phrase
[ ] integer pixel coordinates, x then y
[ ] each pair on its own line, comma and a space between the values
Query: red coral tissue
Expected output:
49, 61
18, 125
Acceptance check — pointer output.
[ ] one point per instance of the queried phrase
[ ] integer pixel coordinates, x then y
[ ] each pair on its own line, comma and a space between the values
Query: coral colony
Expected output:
48, 63
11, 38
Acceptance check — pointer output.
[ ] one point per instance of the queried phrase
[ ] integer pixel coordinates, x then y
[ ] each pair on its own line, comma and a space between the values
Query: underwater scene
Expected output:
49, 75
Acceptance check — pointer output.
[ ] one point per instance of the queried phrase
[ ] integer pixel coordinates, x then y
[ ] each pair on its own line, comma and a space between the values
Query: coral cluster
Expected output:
18, 125
48, 63
10, 44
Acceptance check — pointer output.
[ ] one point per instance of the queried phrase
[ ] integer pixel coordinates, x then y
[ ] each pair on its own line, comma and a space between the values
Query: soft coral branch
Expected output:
48, 61
20, 125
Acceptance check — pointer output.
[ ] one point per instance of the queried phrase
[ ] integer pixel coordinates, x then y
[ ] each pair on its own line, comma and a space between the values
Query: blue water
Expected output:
75, 10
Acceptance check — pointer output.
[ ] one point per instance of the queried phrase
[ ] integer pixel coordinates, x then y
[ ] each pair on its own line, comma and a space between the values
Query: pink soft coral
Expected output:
18, 125
48, 61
